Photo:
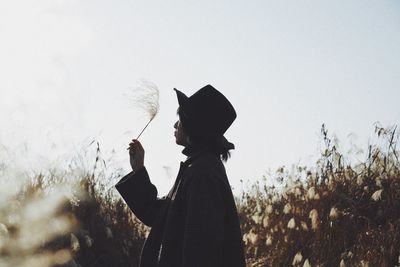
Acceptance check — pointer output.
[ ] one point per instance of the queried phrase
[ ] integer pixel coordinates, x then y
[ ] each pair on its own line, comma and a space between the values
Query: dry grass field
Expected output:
334, 213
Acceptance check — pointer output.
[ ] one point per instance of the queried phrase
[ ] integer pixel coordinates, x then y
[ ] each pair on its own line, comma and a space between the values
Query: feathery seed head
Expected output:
268, 241
269, 209
306, 263
333, 214
291, 224
145, 97
287, 208
311, 193
360, 180
304, 226
314, 219
377, 195
297, 258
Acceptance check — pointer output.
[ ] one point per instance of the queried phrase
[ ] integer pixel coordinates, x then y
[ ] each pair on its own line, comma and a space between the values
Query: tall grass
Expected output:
67, 218
335, 213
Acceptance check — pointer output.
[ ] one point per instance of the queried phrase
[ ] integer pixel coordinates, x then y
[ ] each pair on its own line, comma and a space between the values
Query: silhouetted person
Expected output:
196, 224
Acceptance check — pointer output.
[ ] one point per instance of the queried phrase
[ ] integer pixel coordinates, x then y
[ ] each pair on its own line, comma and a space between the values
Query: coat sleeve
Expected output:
140, 195
203, 233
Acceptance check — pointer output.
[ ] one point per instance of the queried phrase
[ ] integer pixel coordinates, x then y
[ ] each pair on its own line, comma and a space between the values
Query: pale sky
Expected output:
287, 66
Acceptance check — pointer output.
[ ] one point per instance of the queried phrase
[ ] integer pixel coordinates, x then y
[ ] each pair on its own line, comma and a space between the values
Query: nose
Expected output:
176, 125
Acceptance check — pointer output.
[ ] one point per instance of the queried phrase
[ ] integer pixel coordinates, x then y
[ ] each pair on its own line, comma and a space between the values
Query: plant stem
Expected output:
137, 138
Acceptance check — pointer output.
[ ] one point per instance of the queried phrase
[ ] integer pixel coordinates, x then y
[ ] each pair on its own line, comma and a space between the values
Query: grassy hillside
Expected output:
331, 214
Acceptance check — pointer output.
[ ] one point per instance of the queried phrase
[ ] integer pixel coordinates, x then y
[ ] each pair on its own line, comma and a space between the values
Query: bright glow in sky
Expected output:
287, 66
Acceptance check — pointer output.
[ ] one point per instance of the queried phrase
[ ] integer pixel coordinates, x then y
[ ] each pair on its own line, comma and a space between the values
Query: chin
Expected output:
179, 143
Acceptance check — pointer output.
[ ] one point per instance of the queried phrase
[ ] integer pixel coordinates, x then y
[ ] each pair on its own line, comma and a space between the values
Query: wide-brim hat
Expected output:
206, 114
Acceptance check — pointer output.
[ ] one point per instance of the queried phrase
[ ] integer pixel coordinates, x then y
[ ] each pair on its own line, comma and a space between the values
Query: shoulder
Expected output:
206, 164
206, 168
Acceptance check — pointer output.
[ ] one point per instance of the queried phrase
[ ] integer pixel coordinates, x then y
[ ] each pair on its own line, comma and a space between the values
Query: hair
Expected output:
216, 144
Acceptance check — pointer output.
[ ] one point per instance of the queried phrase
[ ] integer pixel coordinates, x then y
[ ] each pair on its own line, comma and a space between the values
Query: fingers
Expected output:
134, 145
136, 154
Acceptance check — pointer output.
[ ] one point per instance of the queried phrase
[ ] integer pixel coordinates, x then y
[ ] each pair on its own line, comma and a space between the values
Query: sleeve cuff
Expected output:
133, 180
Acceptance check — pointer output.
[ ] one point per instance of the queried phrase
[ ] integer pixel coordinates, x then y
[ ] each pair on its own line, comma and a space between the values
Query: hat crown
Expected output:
207, 112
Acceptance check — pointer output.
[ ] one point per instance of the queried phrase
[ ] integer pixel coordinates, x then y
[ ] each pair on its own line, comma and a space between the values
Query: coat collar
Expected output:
193, 152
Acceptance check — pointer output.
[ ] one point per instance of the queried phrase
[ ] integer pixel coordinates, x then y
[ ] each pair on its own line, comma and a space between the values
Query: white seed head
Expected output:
297, 192
74, 243
253, 238
360, 180
269, 209
250, 237
314, 219
304, 226
265, 221
333, 214
88, 241
285, 196
257, 218
258, 207
291, 224
306, 263
287, 209
297, 258
268, 242
330, 184
376, 196
275, 199
145, 96
311, 193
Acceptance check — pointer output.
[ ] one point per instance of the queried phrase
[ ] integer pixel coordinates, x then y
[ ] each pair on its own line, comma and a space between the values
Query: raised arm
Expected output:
140, 195
137, 190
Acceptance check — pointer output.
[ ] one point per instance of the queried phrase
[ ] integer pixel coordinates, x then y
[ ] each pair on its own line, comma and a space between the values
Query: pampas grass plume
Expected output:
333, 214
376, 196
146, 97
297, 258
291, 224
287, 208
314, 219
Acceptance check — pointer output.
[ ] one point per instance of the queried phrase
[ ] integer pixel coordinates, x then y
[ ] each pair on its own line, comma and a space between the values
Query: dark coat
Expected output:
196, 224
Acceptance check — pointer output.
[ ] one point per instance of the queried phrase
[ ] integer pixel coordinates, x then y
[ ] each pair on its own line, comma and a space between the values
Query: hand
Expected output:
136, 155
